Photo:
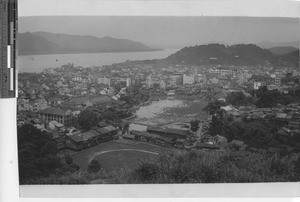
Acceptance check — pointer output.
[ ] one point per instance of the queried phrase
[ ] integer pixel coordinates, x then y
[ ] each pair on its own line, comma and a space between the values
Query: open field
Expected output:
117, 154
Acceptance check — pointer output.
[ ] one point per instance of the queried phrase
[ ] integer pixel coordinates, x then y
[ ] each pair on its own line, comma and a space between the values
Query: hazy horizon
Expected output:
166, 32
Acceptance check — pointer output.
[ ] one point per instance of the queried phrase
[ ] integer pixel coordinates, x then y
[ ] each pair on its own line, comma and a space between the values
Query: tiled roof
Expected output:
168, 130
100, 99
53, 111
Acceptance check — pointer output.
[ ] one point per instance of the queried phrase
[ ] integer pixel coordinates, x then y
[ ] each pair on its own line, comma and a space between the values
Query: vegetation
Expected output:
37, 153
94, 166
239, 99
38, 156
240, 54
194, 125
194, 166
87, 119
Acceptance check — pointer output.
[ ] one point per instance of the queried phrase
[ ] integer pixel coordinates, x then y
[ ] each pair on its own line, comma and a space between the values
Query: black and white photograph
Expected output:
152, 92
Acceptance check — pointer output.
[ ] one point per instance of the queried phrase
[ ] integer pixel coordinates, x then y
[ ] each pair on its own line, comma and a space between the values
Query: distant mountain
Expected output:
30, 44
270, 44
241, 54
49, 43
282, 50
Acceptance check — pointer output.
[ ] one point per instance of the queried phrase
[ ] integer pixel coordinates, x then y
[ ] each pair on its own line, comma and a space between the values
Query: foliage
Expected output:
87, 119
119, 86
68, 159
37, 153
194, 166
217, 167
239, 99
266, 98
94, 166
147, 172
214, 108
194, 125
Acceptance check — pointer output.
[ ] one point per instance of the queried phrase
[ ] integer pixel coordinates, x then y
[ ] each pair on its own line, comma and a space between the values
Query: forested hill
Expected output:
49, 43
241, 54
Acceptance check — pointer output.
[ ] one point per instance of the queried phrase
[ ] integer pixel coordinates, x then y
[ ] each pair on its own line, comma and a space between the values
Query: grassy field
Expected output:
117, 154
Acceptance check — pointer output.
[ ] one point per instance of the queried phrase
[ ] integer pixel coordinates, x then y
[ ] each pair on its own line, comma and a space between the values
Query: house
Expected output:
56, 114
200, 145
108, 133
220, 139
128, 136
237, 144
54, 101
82, 140
141, 135
168, 132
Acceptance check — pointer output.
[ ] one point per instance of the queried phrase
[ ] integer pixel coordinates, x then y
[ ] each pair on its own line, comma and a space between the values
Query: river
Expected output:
36, 63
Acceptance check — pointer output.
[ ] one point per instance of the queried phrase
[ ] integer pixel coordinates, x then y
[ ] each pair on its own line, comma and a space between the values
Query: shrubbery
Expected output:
194, 166
94, 166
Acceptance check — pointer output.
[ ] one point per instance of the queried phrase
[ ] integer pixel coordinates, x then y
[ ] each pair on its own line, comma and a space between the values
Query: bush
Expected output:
94, 166
147, 172
68, 159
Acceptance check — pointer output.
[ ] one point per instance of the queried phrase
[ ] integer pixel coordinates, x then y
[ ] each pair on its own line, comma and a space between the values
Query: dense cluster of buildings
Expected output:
57, 95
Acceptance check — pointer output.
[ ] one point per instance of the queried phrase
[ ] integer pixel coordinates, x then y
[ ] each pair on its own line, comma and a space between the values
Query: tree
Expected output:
266, 98
68, 159
214, 108
94, 166
37, 153
238, 99
126, 128
194, 125
87, 119
119, 86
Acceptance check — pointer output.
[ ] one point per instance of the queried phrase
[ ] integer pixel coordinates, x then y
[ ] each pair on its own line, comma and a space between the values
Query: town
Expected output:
57, 99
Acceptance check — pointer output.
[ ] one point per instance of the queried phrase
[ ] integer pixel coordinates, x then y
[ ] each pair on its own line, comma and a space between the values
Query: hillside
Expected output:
292, 57
49, 43
220, 54
271, 44
30, 44
282, 50
241, 54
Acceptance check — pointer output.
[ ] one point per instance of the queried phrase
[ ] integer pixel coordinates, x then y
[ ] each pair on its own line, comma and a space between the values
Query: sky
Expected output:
266, 8
166, 23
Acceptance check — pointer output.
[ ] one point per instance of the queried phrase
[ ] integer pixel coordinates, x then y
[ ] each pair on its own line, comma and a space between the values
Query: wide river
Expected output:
36, 63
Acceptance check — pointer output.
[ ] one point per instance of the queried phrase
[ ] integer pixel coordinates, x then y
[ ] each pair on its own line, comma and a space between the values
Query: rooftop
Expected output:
53, 111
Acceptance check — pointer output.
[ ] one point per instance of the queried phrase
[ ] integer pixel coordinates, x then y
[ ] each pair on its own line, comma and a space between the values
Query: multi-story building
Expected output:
9, 54
277, 79
48, 71
128, 81
176, 79
55, 114
257, 85
149, 81
104, 80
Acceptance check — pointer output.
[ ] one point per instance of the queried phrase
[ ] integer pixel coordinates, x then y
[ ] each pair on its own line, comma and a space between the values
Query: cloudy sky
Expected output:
279, 8
166, 23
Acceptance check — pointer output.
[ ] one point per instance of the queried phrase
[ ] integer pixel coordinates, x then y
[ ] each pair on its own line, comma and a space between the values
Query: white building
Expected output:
188, 79
104, 80
257, 85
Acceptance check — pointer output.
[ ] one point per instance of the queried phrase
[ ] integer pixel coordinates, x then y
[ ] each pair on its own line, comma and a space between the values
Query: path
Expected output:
116, 150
